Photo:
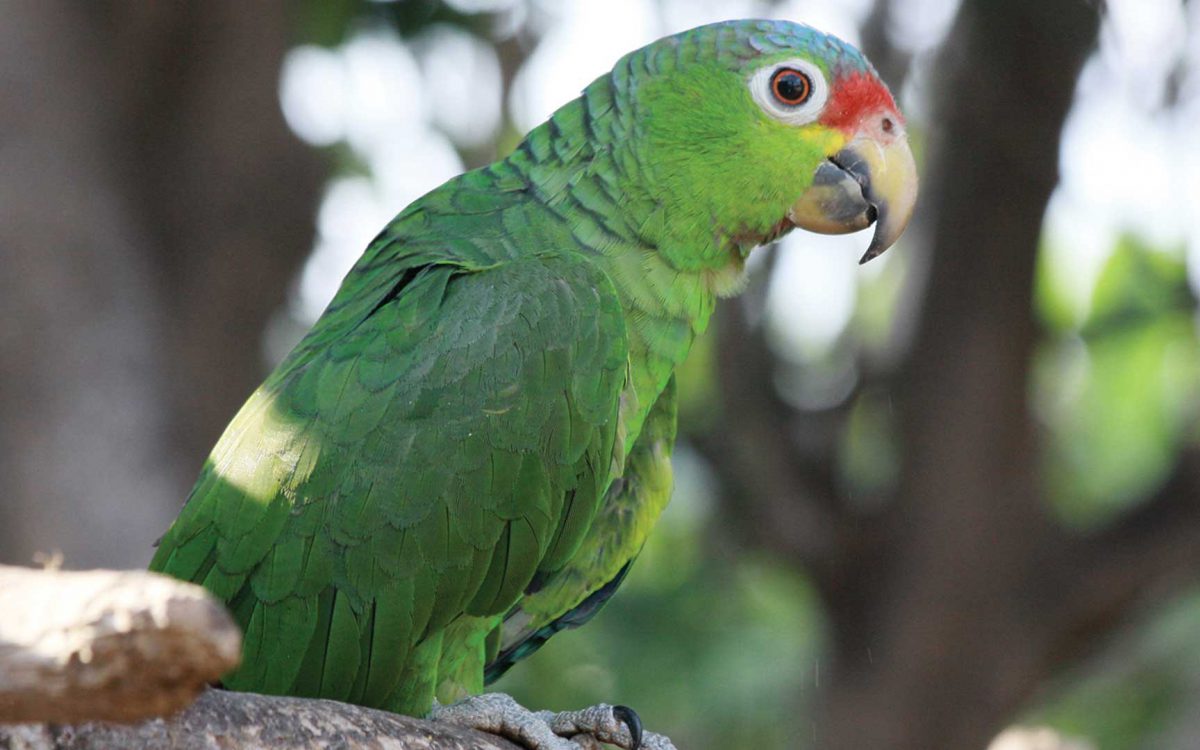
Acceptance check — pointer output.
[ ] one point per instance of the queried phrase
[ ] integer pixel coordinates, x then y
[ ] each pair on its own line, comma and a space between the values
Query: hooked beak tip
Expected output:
874, 250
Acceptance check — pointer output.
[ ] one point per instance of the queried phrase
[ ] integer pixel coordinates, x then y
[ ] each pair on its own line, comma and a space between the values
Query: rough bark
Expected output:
107, 645
245, 720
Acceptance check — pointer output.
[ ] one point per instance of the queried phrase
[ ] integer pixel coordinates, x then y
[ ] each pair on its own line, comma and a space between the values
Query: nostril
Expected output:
888, 125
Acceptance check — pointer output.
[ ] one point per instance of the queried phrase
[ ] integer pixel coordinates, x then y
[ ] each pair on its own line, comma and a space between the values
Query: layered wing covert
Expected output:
424, 455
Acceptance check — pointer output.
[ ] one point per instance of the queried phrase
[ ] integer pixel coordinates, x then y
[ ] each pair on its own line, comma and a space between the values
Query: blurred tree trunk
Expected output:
153, 209
954, 595
955, 638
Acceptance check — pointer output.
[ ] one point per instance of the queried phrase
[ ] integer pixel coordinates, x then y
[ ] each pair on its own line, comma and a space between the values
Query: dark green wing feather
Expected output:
569, 597
442, 436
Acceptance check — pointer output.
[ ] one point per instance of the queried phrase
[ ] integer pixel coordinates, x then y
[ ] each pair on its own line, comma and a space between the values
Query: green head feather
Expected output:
711, 169
722, 163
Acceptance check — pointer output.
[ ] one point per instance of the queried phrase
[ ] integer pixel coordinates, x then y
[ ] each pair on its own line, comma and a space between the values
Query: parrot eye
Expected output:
791, 91
791, 87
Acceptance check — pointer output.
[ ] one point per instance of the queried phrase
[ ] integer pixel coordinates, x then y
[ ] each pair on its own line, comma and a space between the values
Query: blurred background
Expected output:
919, 502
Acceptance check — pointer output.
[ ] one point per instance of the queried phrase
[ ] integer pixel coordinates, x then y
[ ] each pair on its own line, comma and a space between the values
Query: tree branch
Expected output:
1154, 547
107, 645
122, 646
244, 720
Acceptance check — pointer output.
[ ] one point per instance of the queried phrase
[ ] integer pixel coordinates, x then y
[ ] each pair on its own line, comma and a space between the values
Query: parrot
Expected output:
466, 453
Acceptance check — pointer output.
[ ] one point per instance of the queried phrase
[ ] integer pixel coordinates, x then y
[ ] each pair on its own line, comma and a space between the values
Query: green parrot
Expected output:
468, 450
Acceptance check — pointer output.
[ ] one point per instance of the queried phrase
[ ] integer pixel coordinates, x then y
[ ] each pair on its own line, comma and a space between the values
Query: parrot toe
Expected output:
585, 729
615, 725
501, 715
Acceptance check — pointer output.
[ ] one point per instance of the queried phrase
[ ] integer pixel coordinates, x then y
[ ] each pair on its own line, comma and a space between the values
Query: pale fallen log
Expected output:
107, 645
232, 721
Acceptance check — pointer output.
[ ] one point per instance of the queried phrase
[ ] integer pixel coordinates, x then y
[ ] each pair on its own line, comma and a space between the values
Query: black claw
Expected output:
633, 722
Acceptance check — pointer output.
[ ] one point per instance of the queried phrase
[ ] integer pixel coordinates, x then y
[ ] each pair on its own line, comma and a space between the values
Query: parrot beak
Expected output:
872, 179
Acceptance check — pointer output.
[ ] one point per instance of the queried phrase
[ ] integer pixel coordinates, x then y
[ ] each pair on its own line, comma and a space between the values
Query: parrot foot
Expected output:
586, 729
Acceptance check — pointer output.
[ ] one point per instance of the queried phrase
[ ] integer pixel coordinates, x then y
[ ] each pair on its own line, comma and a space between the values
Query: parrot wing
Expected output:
569, 597
437, 441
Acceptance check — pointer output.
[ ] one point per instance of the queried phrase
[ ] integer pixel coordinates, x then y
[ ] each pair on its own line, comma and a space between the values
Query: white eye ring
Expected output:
797, 114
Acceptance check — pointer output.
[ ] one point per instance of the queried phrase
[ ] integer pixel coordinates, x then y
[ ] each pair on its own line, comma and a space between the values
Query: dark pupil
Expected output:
791, 87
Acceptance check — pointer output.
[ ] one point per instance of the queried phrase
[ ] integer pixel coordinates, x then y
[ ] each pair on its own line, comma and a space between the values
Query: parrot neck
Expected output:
582, 168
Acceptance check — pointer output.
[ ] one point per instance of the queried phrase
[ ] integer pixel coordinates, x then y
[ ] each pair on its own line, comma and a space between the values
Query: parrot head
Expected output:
753, 128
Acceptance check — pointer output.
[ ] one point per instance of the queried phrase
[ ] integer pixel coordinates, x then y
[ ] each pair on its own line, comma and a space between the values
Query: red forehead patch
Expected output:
854, 95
